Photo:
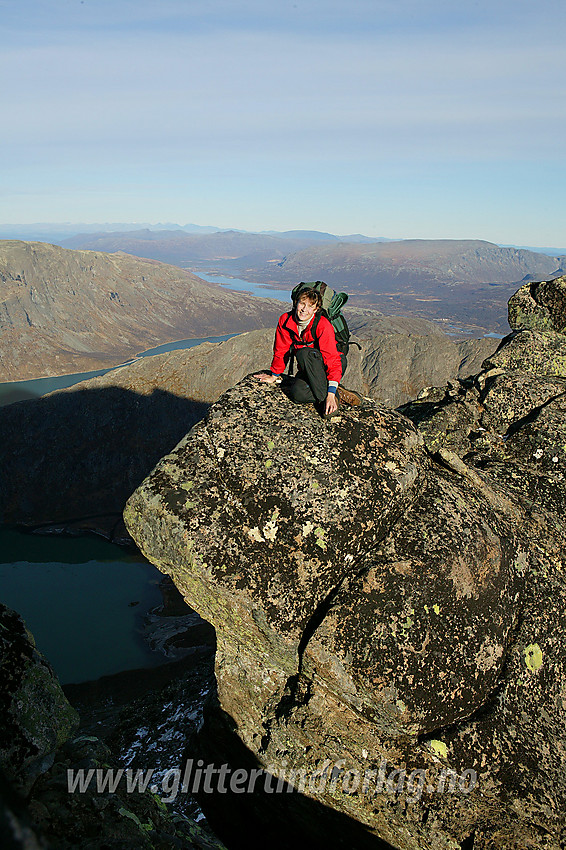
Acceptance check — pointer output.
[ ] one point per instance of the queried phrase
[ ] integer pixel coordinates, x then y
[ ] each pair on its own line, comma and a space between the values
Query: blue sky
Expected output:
414, 118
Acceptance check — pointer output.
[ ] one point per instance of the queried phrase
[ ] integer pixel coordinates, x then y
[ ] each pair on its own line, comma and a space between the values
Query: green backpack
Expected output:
332, 303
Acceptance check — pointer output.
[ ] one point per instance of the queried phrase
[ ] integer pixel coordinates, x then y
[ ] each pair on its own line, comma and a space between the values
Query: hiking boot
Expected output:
349, 397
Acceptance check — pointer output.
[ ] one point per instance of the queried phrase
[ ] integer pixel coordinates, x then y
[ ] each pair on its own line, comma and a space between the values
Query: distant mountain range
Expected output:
298, 253
469, 281
59, 232
318, 236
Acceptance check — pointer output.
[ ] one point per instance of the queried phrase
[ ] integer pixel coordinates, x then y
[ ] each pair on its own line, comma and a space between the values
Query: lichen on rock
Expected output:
539, 306
367, 589
282, 508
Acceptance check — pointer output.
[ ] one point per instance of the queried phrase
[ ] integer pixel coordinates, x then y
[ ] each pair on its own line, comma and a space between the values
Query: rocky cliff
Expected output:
388, 595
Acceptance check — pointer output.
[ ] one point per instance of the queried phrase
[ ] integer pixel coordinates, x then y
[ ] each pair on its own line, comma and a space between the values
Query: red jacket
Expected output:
287, 336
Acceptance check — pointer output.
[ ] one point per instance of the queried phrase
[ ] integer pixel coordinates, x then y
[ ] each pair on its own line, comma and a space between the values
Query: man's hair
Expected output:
312, 295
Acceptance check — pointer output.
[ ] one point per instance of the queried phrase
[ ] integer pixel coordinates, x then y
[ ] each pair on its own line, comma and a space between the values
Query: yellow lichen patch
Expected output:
188, 485
268, 463
270, 445
439, 748
320, 541
533, 656
436, 609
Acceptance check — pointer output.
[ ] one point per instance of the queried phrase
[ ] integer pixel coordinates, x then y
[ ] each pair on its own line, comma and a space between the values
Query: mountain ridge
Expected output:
66, 311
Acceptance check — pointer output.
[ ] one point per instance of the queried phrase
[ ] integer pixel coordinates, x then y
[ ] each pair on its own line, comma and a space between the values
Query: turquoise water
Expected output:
239, 285
21, 390
183, 343
84, 600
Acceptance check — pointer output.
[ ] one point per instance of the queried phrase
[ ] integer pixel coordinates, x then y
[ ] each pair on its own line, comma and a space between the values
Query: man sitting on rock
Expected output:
309, 336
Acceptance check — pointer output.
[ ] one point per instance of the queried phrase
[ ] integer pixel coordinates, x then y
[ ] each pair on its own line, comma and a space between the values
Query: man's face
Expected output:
305, 310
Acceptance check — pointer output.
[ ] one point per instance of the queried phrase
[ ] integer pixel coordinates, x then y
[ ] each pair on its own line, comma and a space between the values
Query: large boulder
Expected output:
366, 602
247, 504
395, 633
539, 306
532, 351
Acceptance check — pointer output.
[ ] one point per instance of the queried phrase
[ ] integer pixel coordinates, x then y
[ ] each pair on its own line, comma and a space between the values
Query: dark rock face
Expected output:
395, 367
39, 746
510, 423
398, 629
78, 454
36, 717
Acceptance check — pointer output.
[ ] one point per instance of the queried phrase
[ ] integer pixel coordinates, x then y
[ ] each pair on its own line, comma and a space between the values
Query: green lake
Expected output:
83, 599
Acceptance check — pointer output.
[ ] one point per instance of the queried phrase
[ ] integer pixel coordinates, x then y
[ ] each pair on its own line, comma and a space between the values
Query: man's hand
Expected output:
331, 405
265, 377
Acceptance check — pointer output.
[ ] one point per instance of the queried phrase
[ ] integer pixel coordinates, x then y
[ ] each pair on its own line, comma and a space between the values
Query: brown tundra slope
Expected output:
468, 281
70, 311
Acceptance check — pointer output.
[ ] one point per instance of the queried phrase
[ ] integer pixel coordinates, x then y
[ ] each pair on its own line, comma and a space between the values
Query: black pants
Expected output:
311, 383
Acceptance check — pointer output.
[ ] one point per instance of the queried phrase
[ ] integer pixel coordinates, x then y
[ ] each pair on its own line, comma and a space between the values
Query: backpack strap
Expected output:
291, 362
315, 323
